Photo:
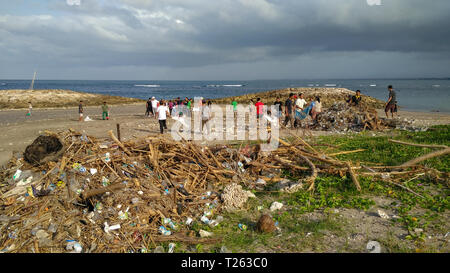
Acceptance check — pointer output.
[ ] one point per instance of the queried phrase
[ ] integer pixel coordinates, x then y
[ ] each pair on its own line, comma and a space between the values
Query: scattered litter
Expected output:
74, 246
383, 214
109, 228
204, 233
276, 206
242, 227
171, 248
164, 231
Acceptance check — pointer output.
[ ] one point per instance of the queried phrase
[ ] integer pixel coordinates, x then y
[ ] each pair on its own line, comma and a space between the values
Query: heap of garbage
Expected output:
71, 192
340, 117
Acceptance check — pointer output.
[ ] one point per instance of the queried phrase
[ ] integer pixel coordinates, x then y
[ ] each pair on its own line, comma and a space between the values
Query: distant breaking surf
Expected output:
224, 85
147, 85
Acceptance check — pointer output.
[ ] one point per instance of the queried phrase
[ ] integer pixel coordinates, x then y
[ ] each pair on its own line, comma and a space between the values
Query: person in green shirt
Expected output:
105, 111
189, 104
234, 103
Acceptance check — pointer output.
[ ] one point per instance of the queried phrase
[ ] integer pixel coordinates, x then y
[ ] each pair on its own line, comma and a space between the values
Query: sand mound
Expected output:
18, 98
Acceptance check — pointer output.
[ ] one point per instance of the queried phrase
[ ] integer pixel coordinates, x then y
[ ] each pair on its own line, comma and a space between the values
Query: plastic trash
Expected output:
260, 181
276, 206
105, 181
123, 215
204, 233
168, 221
383, 214
93, 171
107, 157
17, 175
164, 231
205, 220
109, 228
217, 221
171, 248
242, 227
189, 221
74, 246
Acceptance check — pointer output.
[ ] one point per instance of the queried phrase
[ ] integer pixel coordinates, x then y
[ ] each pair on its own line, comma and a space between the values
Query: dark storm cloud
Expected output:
196, 33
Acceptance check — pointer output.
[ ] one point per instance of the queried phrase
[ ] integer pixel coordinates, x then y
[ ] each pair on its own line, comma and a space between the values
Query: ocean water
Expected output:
412, 94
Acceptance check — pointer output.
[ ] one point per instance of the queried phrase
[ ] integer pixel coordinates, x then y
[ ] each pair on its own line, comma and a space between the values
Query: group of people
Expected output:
177, 109
105, 111
390, 106
294, 109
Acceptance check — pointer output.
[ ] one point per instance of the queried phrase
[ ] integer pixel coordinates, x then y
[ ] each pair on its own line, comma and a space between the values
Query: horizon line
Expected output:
317, 79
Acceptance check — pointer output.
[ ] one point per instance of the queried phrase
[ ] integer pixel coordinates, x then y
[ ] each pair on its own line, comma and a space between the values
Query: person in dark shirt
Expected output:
289, 111
149, 107
80, 110
356, 99
280, 108
391, 103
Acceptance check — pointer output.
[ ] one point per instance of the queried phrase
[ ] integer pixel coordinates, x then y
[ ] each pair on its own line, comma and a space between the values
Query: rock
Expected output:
224, 249
265, 224
158, 249
373, 247
383, 214
276, 206
418, 230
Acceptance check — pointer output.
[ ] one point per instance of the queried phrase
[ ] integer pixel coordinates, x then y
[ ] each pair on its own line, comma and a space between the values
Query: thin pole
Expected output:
118, 131
32, 82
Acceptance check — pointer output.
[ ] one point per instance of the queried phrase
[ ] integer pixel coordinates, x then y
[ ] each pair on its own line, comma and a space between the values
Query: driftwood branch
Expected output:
353, 177
113, 137
425, 157
418, 145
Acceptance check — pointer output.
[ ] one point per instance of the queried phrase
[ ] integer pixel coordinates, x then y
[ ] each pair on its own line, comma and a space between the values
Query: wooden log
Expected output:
353, 176
347, 152
94, 192
114, 138
418, 145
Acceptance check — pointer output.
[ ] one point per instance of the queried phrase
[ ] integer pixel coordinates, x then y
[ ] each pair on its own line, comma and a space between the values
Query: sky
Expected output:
224, 39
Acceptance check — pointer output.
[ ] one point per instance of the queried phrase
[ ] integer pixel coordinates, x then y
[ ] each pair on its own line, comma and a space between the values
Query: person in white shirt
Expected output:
317, 109
206, 116
161, 113
300, 103
154, 105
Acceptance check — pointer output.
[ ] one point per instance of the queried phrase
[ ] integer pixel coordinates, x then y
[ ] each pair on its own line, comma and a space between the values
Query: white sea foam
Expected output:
147, 85
224, 85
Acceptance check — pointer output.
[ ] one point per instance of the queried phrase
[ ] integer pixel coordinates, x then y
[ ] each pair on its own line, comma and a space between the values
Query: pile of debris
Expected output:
341, 117
104, 195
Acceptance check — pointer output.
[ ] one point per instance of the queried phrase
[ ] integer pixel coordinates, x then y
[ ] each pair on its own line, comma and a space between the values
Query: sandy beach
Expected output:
19, 130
